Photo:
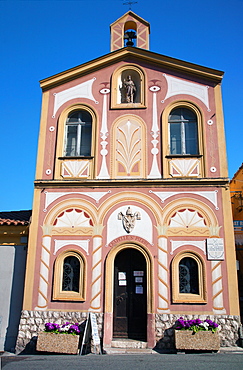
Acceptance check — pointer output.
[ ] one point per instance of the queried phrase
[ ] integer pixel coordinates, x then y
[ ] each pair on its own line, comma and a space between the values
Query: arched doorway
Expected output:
130, 295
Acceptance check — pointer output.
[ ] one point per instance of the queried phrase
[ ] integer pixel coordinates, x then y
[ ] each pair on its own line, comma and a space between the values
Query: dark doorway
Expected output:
130, 295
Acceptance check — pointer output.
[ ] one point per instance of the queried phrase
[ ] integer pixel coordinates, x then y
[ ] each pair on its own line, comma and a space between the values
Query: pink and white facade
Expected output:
143, 211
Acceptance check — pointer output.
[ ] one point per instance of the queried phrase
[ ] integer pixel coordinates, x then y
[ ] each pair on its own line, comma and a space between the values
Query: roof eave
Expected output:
142, 54
130, 12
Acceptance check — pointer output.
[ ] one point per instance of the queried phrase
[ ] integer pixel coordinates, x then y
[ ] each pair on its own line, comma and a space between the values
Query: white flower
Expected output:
65, 328
205, 325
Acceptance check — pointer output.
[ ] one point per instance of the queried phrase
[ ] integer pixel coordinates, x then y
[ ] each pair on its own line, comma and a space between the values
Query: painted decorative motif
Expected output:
177, 86
128, 149
128, 220
212, 148
44, 270
95, 303
142, 36
104, 174
50, 147
187, 218
84, 244
187, 221
74, 169
72, 218
209, 195
217, 287
184, 167
163, 272
180, 243
117, 36
52, 196
83, 90
154, 172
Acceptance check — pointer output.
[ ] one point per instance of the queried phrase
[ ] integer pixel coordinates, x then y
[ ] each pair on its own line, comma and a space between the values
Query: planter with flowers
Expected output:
59, 339
196, 335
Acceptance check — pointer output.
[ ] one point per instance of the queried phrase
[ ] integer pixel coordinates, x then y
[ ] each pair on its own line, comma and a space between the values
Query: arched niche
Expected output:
128, 88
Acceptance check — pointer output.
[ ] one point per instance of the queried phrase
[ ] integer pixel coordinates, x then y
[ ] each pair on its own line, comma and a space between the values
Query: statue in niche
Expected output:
128, 220
128, 90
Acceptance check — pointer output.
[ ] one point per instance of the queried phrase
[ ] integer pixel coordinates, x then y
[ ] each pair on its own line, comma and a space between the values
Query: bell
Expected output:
130, 35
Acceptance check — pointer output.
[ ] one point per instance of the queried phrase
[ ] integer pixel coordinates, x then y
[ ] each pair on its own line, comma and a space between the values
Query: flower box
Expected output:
201, 340
58, 343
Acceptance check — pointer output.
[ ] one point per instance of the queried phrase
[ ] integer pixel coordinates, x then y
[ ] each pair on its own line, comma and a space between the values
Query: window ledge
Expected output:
78, 157
189, 298
183, 156
68, 296
70, 299
129, 106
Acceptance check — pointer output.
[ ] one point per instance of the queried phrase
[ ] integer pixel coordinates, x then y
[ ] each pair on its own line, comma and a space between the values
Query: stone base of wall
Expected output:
164, 327
33, 322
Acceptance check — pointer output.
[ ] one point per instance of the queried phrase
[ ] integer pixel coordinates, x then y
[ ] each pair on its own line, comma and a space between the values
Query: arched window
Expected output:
188, 276
78, 134
188, 279
69, 277
183, 132
71, 274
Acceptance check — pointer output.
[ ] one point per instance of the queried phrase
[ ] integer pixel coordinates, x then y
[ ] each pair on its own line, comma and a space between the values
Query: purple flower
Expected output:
52, 327
212, 323
196, 325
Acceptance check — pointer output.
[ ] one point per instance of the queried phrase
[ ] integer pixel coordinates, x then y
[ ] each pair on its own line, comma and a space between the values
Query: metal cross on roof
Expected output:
130, 4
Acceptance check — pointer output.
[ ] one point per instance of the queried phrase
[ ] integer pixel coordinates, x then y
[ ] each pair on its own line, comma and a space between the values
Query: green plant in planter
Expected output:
67, 328
196, 325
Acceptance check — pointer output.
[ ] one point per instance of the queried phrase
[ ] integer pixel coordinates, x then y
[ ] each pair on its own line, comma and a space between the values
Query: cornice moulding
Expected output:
128, 52
145, 183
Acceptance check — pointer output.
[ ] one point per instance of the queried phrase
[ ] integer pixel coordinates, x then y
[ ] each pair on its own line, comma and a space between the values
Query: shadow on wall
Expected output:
16, 296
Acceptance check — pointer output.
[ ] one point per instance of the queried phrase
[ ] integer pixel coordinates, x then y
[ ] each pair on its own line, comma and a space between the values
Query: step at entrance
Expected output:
128, 346
128, 343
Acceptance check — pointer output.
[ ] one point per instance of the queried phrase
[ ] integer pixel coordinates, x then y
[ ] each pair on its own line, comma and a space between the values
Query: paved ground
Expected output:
201, 361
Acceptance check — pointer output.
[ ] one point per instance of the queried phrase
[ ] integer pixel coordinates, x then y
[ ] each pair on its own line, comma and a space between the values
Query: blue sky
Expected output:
41, 38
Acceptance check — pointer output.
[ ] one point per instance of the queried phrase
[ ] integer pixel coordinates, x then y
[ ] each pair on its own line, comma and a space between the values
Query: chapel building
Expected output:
131, 214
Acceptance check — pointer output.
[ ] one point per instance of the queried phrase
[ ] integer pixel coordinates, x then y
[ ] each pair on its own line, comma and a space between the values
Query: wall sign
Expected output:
138, 273
121, 276
215, 249
139, 289
122, 282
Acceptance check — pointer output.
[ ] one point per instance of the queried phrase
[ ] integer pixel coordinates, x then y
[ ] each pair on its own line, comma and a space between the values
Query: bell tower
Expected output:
130, 30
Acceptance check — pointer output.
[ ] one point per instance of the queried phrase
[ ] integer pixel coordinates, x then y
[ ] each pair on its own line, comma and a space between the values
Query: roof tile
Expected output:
15, 217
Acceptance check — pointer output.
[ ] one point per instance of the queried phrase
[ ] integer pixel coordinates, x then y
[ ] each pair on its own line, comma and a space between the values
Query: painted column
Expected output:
44, 269
217, 288
155, 172
163, 287
104, 174
95, 303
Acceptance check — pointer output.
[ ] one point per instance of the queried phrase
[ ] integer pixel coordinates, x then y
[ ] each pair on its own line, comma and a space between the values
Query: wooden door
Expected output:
130, 295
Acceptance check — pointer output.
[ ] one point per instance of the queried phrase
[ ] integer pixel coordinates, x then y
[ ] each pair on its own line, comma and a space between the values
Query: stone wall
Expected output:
33, 322
228, 331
